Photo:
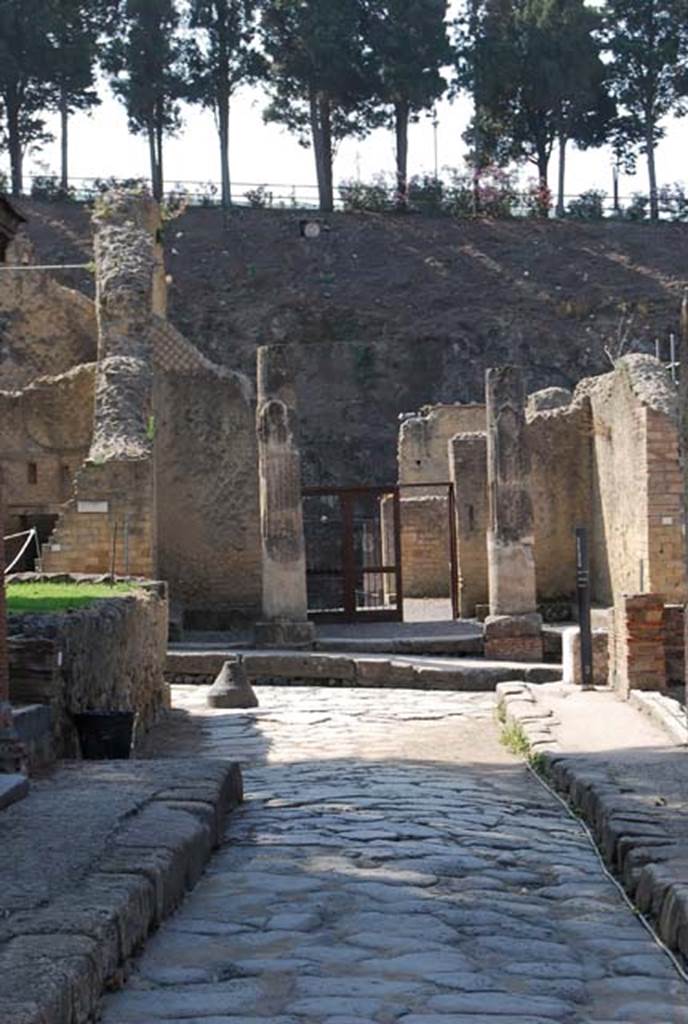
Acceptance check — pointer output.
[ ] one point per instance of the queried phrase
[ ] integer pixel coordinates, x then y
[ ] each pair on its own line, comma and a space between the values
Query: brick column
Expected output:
638, 650
511, 530
285, 600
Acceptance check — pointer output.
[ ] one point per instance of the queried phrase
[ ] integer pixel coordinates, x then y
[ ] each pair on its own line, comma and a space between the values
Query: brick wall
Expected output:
674, 644
665, 511
425, 547
637, 644
637, 505
113, 510
468, 470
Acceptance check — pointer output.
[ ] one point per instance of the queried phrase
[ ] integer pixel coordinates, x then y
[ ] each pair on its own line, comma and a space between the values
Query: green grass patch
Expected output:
514, 739
42, 598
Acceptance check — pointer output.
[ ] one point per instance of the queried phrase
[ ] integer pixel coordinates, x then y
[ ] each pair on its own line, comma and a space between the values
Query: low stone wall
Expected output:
109, 655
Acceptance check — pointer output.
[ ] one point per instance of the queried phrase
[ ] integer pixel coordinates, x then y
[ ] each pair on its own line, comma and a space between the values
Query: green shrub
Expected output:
588, 205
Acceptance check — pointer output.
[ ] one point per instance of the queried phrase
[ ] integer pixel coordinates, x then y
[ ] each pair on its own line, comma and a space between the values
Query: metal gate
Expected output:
353, 553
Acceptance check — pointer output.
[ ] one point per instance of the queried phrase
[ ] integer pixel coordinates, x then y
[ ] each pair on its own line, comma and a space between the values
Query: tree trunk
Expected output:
321, 128
64, 142
160, 190
14, 146
543, 183
615, 187
561, 197
223, 131
401, 120
153, 159
652, 172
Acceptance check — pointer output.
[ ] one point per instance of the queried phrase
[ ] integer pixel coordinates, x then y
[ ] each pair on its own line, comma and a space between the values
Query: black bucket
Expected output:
105, 735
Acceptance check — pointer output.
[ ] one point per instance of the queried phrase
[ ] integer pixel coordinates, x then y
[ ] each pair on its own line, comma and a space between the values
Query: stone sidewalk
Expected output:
629, 780
393, 863
95, 856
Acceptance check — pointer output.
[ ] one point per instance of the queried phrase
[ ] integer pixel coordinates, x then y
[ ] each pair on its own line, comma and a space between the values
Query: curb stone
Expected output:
55, 963
664, 712
630, 830
518, 705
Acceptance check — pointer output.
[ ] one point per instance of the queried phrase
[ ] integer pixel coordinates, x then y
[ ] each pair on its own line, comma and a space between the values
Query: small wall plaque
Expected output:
91, 507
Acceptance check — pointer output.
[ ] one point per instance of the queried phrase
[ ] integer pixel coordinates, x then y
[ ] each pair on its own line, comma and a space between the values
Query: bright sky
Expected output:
267, 154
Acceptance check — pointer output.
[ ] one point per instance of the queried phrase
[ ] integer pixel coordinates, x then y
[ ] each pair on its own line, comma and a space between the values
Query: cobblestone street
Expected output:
392, 863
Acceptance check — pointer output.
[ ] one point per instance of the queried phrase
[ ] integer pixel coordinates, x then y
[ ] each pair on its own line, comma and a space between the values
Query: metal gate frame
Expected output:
350, 613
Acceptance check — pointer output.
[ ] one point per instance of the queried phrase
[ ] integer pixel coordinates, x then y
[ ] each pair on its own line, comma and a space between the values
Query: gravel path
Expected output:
392, 864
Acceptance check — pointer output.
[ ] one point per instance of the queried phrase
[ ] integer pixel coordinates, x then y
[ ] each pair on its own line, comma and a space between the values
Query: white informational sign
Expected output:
92, 507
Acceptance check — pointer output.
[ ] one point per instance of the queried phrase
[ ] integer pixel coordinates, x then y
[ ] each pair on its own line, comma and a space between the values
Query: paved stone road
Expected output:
393, 864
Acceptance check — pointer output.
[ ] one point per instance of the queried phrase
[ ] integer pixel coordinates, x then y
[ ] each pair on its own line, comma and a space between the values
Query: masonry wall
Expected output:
45, 329
425, 547
637, 505
561, 485
45, 435
207, 483
108, 656
424, 440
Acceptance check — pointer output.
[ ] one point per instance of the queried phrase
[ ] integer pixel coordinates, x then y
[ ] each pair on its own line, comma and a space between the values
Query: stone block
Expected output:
284, 634
571, 653
298, 666
514, 638
383, 672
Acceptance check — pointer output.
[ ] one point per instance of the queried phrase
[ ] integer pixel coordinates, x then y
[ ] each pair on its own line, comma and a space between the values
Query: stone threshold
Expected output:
356, 670
57, 961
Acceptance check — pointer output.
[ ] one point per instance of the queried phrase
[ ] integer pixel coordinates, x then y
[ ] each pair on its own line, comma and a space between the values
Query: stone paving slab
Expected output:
97, 855
393, 863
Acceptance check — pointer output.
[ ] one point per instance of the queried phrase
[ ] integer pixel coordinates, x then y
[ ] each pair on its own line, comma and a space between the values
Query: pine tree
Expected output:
25, 87
410, 46
645, 39
320, 75
537, 78
75, 32
221, 58
145, 59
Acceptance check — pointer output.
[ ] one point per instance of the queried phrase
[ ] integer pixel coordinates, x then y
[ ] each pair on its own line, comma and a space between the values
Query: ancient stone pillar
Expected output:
285, 602
510, 535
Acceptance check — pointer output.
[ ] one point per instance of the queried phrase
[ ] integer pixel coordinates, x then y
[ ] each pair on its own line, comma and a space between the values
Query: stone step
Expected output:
196, 667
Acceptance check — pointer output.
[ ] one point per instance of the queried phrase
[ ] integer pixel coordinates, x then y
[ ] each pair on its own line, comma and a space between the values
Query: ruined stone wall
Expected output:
45, 329
424, 440
561, 485
110, 655
45, 434
207, 478
111, 520
425, 546
637, 502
